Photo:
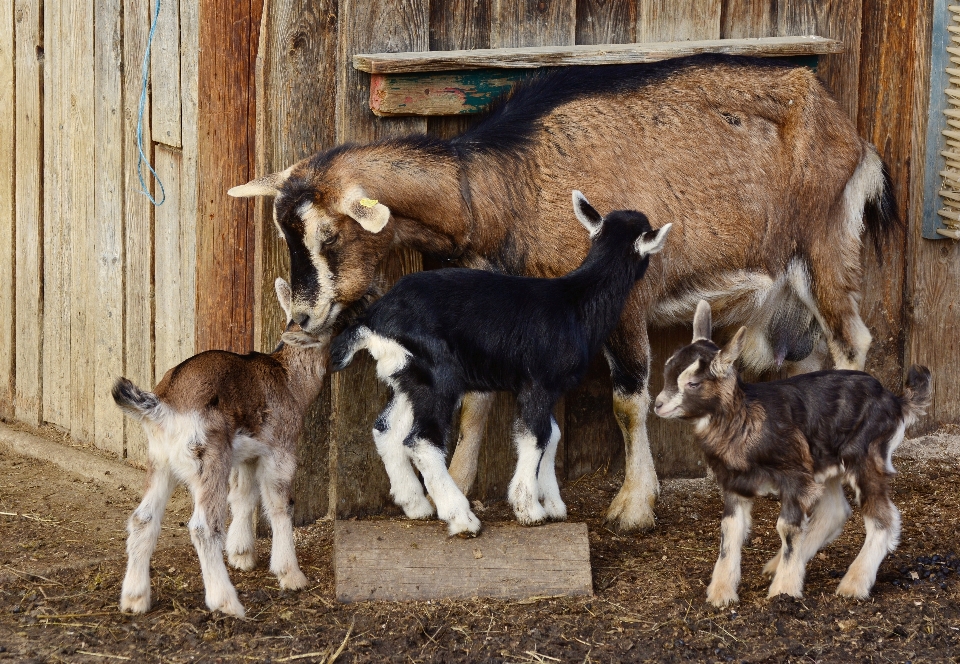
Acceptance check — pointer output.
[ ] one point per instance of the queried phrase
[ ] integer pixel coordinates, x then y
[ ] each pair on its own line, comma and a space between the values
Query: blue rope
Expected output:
143, 100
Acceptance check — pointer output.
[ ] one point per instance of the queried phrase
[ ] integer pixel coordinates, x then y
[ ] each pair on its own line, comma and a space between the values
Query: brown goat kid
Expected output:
762, 173
222, 422
800, 439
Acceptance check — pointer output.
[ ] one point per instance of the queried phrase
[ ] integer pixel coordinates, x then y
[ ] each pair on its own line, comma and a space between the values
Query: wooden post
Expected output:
228, 37
8, 253
296, 62
358, 480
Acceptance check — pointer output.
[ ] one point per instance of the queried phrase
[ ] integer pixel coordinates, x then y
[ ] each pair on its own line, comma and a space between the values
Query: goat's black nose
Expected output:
302, 319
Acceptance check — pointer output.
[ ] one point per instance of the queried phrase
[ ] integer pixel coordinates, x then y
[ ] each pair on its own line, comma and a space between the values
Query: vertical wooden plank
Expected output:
748, 18
367, 26
544, 23
174, 337
593, 436
165, 73
77, 32
672, 20
56, 226
138, 222
29, 208
297, 60
8, 254
606, 21
108, 219
189, 169
674, 451
933, 304
225, 125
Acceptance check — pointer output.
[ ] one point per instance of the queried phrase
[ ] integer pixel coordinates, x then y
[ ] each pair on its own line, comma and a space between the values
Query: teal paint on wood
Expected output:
464, 92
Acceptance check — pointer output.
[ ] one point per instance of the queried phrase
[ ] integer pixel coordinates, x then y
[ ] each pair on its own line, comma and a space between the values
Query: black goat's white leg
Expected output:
209, 487
534, 432
881, 520
628, 354
452, 506
391, 429
524, 490
275, 477
826, 523
143, 529
734, 528
244, 499
547, 477
473, 422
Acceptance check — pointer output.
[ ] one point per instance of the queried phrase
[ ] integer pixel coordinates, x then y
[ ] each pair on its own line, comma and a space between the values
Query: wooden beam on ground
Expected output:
415, 560
604, 54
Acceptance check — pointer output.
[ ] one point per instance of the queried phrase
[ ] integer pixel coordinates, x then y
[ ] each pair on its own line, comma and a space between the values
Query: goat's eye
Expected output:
332, 240
693, 385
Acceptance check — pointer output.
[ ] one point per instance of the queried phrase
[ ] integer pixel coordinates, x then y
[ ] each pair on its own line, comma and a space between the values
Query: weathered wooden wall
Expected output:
96, 282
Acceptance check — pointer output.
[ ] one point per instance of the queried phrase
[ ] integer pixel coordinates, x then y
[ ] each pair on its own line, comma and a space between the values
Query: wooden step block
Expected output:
415, 560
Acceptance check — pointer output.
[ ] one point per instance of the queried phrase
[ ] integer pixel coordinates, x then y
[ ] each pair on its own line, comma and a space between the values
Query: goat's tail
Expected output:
916, 393
345, 345
881, 218
135, 402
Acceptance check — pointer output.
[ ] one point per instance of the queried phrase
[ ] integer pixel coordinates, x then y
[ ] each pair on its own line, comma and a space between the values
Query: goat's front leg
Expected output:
276, 479
452, 506
628, 354
244, 498
473, 423
734, 528
791, 567
391, 429
209, 487
547, 477
144, 529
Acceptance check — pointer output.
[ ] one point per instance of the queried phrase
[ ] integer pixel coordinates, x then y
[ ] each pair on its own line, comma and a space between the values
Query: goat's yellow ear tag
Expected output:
368, 202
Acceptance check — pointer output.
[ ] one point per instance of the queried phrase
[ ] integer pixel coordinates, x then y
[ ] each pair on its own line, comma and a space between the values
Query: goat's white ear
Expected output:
284, 295
702, 322
367, 212
652, 242
586, 215
728, 354
268, 185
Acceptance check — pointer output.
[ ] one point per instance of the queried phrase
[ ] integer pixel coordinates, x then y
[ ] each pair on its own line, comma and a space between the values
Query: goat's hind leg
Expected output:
209, 487
391, 429
881, 520
473, 422
276, 478
547, 477
244, 498
143, 529
533, 436
788, 578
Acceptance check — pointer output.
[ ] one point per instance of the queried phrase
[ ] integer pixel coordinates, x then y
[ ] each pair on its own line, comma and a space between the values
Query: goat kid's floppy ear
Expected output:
652, 242
728, 354
586, 215
284, 295
702, 322
367, 212
268, 185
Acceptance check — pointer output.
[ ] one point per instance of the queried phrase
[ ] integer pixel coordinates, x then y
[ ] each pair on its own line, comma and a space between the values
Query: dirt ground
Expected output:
62, 562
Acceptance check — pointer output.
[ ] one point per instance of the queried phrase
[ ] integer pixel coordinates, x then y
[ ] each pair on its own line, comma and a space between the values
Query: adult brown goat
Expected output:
762, 174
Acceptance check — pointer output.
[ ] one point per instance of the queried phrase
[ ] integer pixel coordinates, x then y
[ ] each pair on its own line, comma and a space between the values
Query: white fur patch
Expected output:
316, 228
390, 356
862, 573
524, 490
726, 573
405, 487
894, 443
452, 505
547, 477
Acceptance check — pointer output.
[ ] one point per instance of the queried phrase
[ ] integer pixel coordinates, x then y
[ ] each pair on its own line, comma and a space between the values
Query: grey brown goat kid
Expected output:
801, 439
762, 172
221, 422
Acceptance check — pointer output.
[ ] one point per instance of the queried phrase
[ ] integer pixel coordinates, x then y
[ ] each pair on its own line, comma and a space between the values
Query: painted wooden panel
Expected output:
7, 211
107, 295
78, 162
446, 93
138, 222
297, 60
368, 25
56, 228
400, 561
165, 73
29, 224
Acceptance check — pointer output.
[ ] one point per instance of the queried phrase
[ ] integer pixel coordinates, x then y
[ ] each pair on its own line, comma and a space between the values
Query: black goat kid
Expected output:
437, 335
799, 438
